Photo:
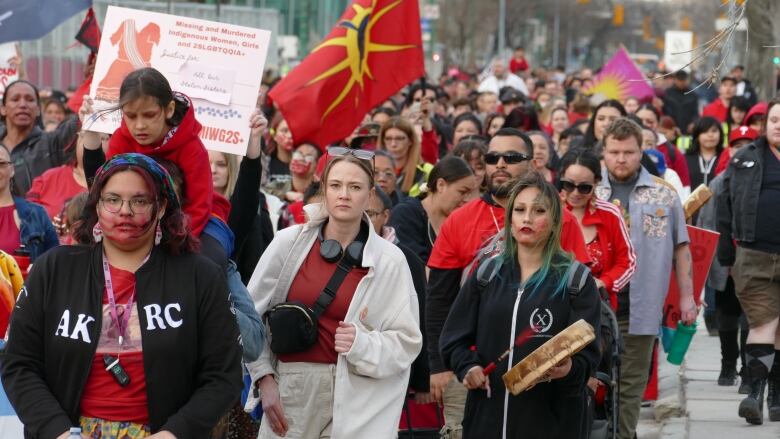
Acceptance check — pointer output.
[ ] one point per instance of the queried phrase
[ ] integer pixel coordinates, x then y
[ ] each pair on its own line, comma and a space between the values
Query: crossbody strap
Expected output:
328, 294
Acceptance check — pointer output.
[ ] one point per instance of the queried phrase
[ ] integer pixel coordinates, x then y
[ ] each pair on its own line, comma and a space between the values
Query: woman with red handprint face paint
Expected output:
302, 167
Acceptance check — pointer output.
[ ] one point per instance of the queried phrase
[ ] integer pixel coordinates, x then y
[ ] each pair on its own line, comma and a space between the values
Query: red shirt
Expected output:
103, 397
472, 225
518, 66
616, 257
717, 110
309, 282
53, 188
9, 232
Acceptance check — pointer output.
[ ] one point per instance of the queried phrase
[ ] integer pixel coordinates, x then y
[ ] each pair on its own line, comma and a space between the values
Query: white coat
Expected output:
372, 378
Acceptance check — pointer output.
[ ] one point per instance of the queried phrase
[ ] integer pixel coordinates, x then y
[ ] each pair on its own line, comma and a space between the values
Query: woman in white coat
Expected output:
349, 378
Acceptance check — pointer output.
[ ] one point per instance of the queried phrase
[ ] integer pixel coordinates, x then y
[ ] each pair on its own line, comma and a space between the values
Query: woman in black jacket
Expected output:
417, 220
525, 302
131, 335
32, 151
705, 150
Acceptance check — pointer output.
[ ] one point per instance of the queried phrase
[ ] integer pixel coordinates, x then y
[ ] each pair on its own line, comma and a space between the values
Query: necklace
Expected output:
430, 230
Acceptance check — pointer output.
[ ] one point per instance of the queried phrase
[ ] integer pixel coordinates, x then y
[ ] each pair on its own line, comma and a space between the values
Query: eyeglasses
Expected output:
398, 139
340, 151
4, 164
374, 213
510, 158
387, 173
138, 205
582, 188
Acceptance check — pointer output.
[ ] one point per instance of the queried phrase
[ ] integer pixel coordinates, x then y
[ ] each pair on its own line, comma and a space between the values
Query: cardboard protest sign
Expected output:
8, 73
703, 244
219, 66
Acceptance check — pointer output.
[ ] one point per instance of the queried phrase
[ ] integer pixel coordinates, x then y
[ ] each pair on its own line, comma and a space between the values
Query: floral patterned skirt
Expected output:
94, 428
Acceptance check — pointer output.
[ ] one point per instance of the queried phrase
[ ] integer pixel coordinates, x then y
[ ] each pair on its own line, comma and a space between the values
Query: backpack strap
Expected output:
487, 270
493, 247
577, 275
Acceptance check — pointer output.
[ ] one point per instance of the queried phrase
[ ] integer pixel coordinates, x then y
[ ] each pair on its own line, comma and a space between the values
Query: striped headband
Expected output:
157, 172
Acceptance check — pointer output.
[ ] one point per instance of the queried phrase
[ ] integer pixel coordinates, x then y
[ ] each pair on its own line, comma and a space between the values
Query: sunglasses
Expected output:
582, 188
510, 158
340, 151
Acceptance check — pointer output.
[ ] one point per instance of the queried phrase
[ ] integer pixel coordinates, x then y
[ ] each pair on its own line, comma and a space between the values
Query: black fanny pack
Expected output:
293, 326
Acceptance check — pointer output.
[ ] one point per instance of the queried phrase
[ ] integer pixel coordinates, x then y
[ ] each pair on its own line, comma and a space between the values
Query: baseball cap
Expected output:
511, 95
657, 157
743, 132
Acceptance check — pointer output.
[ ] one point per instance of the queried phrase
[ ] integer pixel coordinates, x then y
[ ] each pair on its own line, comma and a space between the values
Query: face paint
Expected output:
530, 218
122, 229
125, 228
300, 167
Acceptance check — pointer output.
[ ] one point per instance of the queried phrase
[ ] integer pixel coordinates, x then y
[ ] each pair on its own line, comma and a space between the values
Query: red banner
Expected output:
703, 244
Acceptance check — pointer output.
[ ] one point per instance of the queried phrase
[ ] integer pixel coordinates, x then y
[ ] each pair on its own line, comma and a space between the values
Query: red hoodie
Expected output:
186, 150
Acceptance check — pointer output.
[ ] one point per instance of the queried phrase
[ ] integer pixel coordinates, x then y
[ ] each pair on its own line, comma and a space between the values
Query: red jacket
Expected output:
723, 161
187, 151
619, 258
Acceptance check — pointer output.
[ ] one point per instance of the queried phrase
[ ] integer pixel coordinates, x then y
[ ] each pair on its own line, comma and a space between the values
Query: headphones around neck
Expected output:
331, 251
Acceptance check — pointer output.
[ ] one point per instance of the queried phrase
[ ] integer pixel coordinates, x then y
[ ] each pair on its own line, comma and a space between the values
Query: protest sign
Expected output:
703, 244
8, 73
218, 66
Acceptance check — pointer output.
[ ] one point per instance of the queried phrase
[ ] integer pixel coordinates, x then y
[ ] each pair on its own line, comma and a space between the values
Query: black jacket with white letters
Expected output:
191, 353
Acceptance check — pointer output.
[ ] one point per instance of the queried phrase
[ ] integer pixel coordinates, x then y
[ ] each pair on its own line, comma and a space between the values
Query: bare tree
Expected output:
465, 28
761, 35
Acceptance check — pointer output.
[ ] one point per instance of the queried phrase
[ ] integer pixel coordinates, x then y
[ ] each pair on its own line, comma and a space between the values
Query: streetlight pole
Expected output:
556, 32
501, 27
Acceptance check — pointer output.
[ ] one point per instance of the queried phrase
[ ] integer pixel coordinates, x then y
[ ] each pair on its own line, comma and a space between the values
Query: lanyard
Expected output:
495, 220
706, 167
122, 323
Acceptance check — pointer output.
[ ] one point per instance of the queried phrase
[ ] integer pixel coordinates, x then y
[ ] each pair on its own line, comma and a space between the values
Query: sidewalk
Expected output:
712, 409
709, 411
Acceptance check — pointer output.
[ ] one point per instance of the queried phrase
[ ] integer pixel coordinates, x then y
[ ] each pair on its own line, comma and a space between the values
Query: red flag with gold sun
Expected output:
374, 51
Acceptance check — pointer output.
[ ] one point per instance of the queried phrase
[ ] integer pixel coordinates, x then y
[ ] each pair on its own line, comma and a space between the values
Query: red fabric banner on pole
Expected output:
374, 51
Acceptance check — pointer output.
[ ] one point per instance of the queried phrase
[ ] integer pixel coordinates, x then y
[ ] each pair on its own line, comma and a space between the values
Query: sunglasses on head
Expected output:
340, 151
582, 188
510, 158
